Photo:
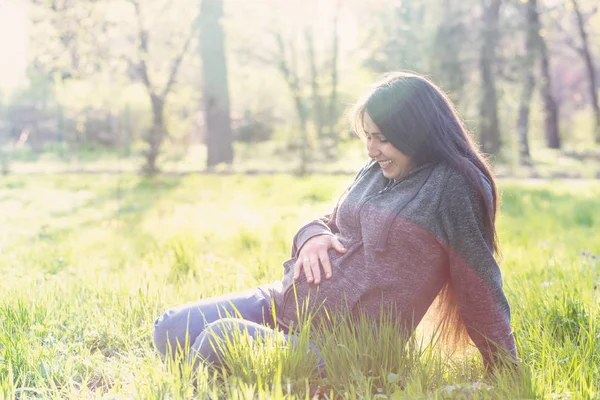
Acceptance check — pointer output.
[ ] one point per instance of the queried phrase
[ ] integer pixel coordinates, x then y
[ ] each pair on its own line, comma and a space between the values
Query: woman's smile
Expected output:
393, 163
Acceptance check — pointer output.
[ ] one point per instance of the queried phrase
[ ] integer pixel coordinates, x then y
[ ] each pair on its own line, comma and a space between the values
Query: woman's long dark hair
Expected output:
420, 121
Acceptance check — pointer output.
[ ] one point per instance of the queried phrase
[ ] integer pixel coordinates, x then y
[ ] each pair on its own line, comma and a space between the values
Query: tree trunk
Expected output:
333, 113
531, 49
4, 162
317, 102
158, 131
216, 90
550, 105
591, 69
523, 121
293, 81
305, 146
449, 40
156, 134
489, 129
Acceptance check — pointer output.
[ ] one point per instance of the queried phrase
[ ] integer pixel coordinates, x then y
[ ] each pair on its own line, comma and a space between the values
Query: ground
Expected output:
89, 261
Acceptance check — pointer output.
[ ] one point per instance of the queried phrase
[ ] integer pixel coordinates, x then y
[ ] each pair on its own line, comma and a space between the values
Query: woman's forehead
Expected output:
369, 126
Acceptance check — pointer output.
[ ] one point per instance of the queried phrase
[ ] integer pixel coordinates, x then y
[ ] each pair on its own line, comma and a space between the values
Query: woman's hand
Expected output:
313, 255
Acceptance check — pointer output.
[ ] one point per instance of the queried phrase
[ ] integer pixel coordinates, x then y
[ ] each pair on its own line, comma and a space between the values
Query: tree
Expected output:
215, 84
550, 105
447, 65
488, 111
333, 115
67, 48
4, 161
531, 48
585, 53
324, 109
293, 81
320, 109
317, 100
306, 58
403, 42
89, 41
66, 52
158, 97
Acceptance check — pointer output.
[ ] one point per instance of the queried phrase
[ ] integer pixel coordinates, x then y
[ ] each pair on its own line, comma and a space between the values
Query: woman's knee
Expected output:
162, 326
223, 329
209, 346
213, 342
175, 330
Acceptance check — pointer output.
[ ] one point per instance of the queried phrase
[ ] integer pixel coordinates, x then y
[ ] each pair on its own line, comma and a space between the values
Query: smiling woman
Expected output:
417, 223
393, 163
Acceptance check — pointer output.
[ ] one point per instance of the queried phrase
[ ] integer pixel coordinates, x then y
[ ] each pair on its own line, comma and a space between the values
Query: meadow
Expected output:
89, 261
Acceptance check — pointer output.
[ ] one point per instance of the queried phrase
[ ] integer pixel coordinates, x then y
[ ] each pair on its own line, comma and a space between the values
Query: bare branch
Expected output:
589, 64
268, 59
142, 48
177, 61
568, 39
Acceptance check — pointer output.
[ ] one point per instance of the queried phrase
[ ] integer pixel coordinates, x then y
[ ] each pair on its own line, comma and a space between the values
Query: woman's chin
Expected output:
388, 174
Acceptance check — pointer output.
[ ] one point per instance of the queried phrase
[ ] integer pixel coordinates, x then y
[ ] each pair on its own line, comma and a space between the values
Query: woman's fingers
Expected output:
297, 269
324, 258
337, 245
312, 267
308, 270
314, 256
316, 269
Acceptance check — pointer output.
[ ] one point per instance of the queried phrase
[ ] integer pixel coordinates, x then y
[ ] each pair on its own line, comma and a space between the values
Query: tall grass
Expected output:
88, 265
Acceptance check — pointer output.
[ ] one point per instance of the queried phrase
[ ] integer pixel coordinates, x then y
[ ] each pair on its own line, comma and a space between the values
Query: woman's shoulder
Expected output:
457, 180
444, 178
456, 187
449, 175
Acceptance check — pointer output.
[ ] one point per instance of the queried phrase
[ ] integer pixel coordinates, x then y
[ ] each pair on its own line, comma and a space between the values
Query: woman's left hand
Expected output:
314, 254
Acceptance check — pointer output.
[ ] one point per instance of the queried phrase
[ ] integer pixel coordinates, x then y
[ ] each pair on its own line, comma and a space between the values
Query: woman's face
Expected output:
394, 164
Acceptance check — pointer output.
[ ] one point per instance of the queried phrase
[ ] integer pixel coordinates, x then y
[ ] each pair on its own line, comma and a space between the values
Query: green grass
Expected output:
88, 263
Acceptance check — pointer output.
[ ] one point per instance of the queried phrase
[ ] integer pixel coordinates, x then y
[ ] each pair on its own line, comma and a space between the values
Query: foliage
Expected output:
84, 89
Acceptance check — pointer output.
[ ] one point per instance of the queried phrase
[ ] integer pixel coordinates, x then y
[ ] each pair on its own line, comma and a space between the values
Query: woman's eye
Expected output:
383, 140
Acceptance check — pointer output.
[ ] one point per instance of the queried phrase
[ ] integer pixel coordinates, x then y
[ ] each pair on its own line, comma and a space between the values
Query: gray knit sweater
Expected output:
404, 240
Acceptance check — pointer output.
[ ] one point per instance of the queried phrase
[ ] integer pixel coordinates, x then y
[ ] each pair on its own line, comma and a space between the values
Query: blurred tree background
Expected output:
188, 85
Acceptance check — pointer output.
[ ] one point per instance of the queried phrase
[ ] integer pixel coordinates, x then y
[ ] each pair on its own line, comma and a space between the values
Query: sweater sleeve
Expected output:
326, 224
474, 273
322, 226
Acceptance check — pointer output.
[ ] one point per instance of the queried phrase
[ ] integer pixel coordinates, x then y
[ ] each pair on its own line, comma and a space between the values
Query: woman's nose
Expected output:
372, 149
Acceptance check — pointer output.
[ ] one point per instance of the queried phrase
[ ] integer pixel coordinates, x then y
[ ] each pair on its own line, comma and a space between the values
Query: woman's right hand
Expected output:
314, 254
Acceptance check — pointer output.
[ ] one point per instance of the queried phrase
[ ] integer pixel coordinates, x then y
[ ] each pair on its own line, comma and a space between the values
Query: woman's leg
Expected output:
211, 343
180, 327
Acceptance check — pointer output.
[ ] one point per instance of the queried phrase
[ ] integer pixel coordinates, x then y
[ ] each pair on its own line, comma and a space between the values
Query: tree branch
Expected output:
177, 61
142, 48
568, 40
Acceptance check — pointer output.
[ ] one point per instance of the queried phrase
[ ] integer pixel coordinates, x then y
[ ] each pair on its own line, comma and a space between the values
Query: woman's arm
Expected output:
322, 226
326, 224
474, 273
310, 251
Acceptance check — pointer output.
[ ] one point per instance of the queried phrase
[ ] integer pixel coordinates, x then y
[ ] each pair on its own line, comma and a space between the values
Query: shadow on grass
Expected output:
133, 198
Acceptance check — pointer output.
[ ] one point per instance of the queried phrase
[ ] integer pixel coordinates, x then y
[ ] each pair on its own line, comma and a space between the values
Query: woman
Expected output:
416, 224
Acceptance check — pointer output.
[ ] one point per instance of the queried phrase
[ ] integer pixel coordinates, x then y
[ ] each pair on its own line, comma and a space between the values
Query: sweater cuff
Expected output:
313, 229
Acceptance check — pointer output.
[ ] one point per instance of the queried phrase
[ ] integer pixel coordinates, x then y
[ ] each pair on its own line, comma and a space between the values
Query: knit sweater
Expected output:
404, 240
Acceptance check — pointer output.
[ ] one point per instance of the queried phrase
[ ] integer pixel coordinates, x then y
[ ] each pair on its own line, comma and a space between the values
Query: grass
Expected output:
88, 263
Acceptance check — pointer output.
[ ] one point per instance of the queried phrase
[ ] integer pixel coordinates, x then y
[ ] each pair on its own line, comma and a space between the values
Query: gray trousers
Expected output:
197, 328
